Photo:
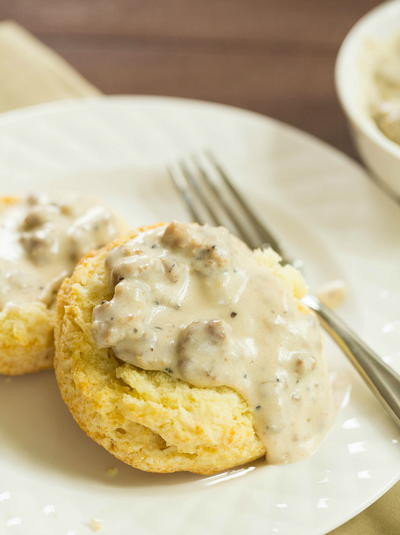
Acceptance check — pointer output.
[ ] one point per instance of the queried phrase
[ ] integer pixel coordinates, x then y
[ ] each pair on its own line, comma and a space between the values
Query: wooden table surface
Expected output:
272, 56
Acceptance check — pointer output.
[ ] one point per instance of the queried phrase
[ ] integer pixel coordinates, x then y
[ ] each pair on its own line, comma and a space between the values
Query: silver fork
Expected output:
206, 202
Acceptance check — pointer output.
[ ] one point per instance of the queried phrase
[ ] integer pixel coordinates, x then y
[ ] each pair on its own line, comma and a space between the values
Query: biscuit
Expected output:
147, 419
27, 332
26, 335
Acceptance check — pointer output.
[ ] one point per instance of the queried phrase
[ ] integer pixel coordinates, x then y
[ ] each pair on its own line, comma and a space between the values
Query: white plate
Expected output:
53, 479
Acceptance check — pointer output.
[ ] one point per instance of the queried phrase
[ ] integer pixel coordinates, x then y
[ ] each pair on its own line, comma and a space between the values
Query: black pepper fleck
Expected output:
233, 314
168, 370
258, 407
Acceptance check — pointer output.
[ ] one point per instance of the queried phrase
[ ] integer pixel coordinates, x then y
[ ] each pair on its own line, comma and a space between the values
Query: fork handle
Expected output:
380, 378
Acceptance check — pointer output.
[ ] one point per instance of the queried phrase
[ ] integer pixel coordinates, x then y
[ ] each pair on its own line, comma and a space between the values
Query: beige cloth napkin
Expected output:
30, 73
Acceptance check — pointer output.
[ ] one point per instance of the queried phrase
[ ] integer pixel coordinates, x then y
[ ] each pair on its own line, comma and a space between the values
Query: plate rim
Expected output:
59, 105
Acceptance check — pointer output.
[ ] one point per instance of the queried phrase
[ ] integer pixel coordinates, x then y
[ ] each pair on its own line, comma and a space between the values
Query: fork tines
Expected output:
211, 197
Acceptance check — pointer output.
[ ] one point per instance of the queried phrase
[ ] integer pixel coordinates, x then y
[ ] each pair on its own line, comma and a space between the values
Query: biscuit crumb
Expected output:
112, 472
332, 293
95, 524
49, 509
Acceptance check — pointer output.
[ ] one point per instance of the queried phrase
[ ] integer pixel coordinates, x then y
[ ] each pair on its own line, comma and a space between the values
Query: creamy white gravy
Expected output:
40, 242
194, 302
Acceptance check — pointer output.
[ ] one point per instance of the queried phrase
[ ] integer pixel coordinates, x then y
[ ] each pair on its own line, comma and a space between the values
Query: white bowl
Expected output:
380, 154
